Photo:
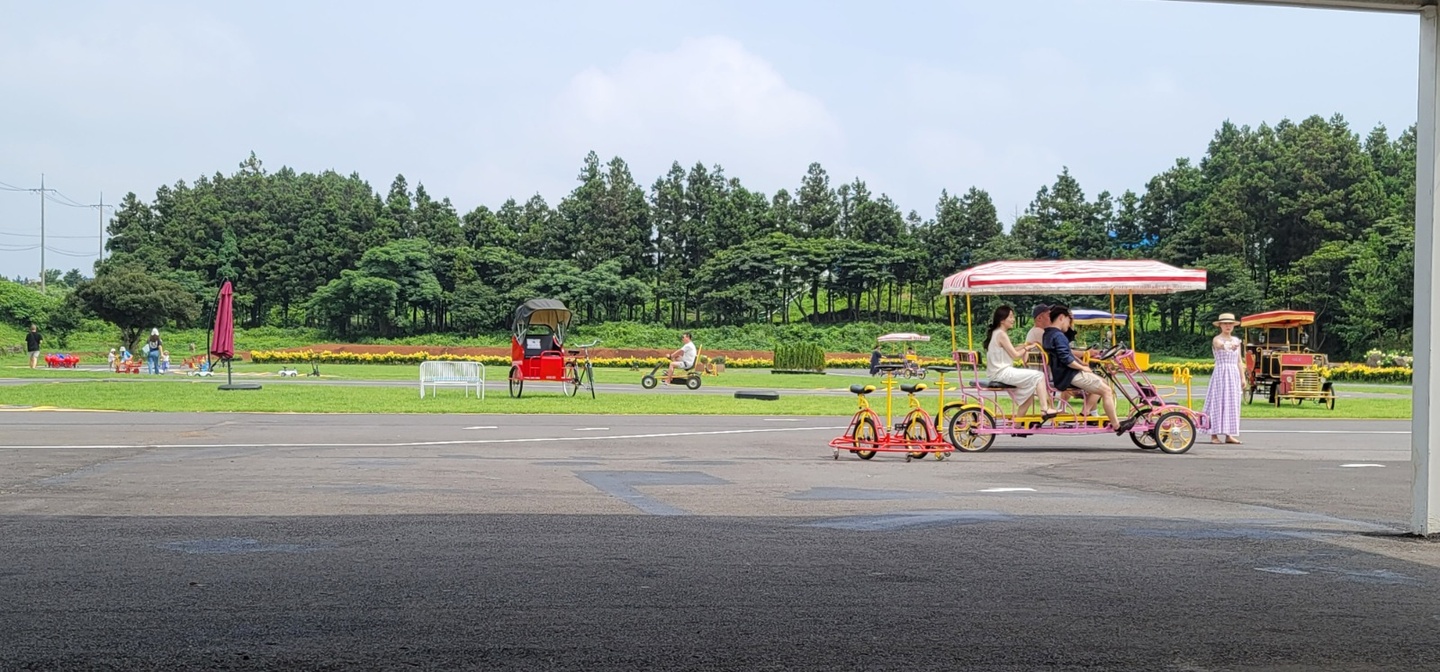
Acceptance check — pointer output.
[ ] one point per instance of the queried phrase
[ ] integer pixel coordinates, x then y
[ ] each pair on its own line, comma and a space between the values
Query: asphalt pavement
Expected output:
257, 541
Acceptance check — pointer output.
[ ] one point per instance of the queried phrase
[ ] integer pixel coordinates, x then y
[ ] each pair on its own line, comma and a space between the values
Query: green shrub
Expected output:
800, 357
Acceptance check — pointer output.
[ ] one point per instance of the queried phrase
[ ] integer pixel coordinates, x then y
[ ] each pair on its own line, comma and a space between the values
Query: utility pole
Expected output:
42, 191
101, 206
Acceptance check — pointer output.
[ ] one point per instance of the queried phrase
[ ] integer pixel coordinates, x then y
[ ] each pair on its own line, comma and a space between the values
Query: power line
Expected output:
68, 254
36, 235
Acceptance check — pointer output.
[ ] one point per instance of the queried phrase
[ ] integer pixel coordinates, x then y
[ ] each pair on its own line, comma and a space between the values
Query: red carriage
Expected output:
537, 349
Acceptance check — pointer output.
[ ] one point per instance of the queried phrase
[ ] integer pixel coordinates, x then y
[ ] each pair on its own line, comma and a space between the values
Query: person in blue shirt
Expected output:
1066, 372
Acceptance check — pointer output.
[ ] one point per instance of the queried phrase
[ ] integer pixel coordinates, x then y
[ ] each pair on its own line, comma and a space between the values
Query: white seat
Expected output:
452, 374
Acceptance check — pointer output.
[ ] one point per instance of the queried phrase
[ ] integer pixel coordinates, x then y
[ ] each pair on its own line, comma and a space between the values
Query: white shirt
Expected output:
687, 355
1035, 335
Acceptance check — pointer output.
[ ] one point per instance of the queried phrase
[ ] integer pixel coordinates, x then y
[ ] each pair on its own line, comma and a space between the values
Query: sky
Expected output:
485, 101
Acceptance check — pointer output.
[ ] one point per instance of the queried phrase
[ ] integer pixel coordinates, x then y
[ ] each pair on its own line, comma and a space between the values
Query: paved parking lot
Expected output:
590, 542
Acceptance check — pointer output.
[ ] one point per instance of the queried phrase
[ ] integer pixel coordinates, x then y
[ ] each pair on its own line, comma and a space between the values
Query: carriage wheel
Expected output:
517, 382
573, 379
1145, 440
1330, 402
960, 431
1250, 394
1274, 394
914, 429
865, 434
1174, 433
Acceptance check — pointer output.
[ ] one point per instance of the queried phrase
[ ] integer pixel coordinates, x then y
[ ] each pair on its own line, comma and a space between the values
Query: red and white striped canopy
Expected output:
1098, 276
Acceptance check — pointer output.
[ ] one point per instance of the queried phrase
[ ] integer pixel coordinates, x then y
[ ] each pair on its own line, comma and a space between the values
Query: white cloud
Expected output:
710, 100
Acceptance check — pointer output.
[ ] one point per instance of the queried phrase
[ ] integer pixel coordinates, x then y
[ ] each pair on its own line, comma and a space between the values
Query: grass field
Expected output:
192, 395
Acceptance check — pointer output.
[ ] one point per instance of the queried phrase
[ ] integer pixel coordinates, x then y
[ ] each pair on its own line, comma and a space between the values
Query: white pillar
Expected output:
1425, 518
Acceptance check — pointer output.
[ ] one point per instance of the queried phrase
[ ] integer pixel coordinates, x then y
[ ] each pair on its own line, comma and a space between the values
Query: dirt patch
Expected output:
503, 352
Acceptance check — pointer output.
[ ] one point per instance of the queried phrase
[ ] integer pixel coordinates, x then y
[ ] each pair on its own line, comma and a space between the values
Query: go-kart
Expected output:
690, 378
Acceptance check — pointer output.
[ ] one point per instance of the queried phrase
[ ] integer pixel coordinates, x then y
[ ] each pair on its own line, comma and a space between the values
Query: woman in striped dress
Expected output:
1222, 399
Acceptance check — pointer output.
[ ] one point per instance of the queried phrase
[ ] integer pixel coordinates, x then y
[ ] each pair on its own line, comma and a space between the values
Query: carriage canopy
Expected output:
1085, 317
1089, 276
902, 338
541, 312
1278, 319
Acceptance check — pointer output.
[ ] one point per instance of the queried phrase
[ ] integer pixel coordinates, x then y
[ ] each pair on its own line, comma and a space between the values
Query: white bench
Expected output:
452, 374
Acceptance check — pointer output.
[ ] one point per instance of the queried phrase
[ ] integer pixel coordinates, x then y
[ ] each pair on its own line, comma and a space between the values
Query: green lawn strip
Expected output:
201, 395
197, 395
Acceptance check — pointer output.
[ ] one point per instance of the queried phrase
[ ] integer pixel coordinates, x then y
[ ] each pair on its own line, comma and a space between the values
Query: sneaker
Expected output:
1125, 426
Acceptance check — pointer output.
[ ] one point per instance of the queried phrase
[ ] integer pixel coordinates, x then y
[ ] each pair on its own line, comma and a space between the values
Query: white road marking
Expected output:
484, 427
782, 419
413, 444
1291, 571
1008, 490
592, 429
1362, 464
1323, 431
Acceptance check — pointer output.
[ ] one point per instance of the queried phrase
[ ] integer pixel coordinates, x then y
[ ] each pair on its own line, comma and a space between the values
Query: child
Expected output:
164, 361
111, 358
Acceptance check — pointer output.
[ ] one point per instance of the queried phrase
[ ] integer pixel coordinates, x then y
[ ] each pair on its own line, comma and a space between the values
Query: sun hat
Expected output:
1039, 309
155, 331
1226, 318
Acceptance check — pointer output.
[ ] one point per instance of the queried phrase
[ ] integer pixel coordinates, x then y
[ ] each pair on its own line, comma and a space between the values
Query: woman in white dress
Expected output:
1000, 356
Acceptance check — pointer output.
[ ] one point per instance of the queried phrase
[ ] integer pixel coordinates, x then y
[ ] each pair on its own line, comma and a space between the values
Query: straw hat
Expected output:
1226, 318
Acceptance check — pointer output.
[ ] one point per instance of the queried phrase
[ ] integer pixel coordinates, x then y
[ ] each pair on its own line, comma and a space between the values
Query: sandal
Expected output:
1233, 440
1047, 417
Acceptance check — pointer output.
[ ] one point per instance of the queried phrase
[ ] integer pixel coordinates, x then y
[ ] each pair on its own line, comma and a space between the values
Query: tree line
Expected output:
1305, 215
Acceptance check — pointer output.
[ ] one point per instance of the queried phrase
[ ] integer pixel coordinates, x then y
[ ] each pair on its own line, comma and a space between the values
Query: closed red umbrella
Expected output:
223, 345
222, 341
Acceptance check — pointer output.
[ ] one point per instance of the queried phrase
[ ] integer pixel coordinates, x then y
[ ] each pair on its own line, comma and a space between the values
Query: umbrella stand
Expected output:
230, 383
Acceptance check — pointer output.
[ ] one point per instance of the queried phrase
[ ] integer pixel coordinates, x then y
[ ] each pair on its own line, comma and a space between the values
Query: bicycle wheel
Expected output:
572, 380
961, 430
590, 378
517, 382
865, 433
914, 428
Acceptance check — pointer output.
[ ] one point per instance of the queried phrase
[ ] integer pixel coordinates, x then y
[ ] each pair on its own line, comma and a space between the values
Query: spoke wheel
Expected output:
572, 380
590, 378
914, 429
960, 431
517, 382
1145, 440
1174, 433
865, 433
1250, 394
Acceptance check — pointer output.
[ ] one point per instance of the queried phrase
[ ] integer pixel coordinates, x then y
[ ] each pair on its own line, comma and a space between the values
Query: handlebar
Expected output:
591, 344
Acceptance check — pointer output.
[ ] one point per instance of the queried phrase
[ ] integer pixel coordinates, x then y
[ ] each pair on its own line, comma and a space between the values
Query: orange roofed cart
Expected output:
1279, 365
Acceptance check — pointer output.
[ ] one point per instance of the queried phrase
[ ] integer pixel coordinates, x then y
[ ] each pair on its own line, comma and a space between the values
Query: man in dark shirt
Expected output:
32, 345
1066, 372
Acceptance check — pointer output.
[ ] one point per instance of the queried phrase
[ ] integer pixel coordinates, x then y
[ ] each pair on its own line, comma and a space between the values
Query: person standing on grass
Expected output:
32, 345
152, 351
1222, 397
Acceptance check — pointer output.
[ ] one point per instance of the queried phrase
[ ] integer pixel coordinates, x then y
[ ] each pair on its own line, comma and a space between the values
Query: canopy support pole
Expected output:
1425, 484
953, 336
969, 325
1131, 319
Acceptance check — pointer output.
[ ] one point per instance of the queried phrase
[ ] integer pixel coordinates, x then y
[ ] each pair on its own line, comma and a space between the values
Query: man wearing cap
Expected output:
1041, 313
